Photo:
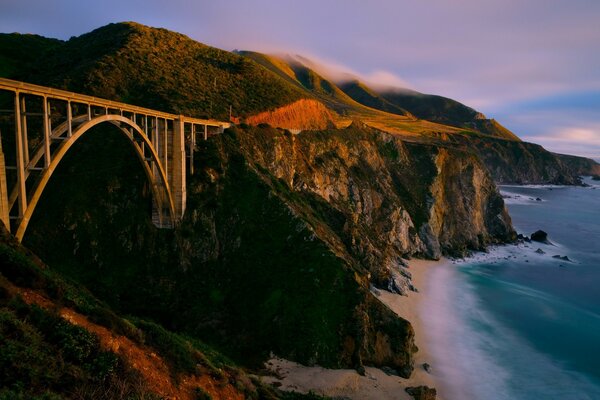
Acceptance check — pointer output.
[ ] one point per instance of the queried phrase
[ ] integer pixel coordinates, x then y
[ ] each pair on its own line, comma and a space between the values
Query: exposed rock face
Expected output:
387, 199
510, 161
579, 165
422, 392
282, 237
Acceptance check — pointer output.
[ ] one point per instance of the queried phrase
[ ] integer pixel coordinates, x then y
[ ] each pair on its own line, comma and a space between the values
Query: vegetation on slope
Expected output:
58, 342
579, 165
275, 252
22, 52
446, 111
161, 69
306, 80
166, 70
390, 110
244, 271
364, 95
300, 115
517, 162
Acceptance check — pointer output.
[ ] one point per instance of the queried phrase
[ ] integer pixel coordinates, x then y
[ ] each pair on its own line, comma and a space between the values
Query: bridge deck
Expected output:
58, 94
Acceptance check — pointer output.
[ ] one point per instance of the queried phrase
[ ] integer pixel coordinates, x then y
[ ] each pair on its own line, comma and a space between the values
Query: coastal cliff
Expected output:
518, 162
579, 165
282, 238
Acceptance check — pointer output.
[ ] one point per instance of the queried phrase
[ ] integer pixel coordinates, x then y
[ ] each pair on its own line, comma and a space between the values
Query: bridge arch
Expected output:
163, 142
155, 172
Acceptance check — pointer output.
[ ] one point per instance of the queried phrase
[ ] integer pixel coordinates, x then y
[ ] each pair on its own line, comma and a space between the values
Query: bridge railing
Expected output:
64, 95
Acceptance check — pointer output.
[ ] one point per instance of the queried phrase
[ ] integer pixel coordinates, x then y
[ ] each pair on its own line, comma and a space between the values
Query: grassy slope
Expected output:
364, 95
348, 108
391, 111
446, 111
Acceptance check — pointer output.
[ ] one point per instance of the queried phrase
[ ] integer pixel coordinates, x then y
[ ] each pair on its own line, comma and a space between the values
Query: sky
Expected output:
534, 65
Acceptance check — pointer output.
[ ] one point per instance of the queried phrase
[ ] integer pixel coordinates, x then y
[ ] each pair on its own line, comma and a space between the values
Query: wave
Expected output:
479, 357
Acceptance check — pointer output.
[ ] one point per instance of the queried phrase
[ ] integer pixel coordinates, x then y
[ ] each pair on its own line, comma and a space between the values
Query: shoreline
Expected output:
376, 384
411, 308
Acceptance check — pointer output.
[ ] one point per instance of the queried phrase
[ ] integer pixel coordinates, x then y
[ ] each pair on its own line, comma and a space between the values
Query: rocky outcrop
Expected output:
540, 236
421, 392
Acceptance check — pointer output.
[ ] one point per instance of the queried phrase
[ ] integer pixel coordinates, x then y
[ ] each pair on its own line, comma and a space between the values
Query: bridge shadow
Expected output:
96, 209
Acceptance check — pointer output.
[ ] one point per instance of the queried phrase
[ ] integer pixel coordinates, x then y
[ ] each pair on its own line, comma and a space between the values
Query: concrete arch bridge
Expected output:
44, 123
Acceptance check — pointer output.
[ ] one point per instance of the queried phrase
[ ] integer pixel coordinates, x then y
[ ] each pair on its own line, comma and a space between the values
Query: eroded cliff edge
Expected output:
282, 238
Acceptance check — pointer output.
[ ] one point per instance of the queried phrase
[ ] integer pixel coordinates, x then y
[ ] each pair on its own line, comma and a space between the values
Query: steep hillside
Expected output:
168, 71
58, 341
298, 71
300, 115
512, 161
161, 69
307, 80
364, 95
21, 52
579, 165
446, 111
281, 239
245, 271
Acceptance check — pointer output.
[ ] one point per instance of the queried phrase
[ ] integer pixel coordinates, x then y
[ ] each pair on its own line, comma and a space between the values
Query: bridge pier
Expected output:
4, 208
178, 186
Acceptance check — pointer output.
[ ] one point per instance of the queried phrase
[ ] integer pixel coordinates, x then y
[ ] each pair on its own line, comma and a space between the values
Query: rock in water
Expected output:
540, 236
421, 392
540, 251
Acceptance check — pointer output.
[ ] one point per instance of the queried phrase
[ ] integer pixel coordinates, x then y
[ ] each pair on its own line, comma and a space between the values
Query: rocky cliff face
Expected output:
515, 162
579, 165
387, 199
282, 238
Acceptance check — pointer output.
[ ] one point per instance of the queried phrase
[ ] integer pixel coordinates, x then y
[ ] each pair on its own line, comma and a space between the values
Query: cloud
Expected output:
337, 72
567, 131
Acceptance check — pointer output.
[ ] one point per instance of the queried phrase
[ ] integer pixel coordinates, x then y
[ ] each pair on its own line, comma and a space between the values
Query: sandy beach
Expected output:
376, 384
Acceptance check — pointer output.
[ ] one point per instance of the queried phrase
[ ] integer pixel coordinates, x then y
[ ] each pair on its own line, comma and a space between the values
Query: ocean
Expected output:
517, 323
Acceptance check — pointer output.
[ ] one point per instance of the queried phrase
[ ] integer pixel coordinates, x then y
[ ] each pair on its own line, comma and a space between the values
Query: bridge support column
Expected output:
4, 207
178, 188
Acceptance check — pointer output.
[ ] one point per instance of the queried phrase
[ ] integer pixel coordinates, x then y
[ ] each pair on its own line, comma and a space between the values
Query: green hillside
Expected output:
57, 341
364, 95
160, 69
21, 52
307, 80
446, 111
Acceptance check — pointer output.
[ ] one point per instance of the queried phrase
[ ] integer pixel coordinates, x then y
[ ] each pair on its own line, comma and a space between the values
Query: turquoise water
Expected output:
516, 324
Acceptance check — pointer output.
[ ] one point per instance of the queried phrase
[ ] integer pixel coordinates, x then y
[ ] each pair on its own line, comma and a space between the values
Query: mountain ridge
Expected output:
250, 85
